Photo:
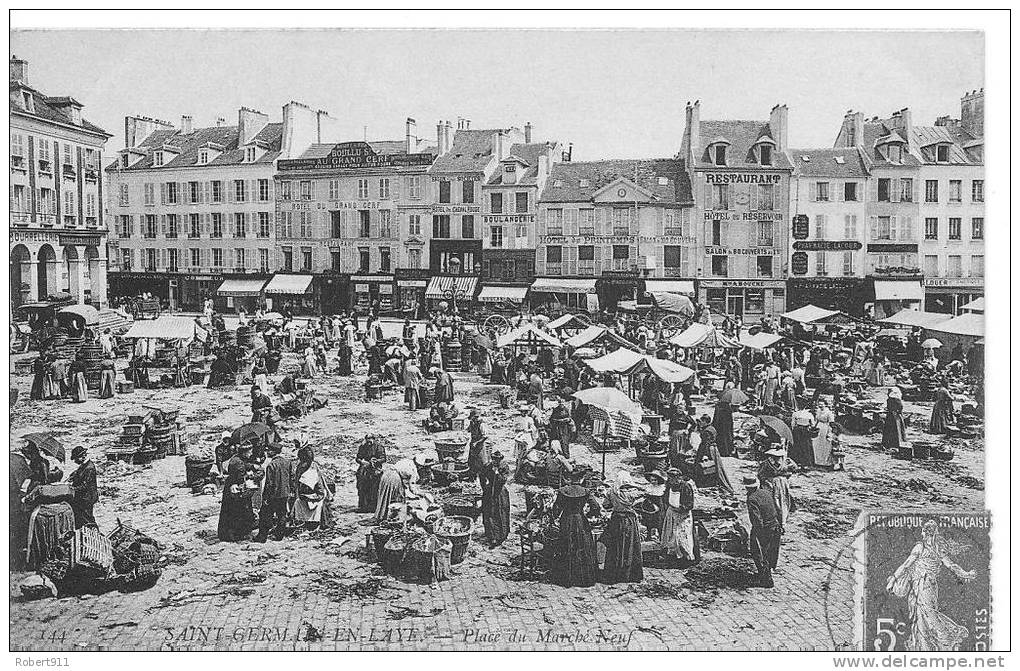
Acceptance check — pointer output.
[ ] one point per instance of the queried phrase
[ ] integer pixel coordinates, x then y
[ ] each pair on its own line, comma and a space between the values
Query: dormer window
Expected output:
719, 154
75, 115
29, 102
764, 154
249, 154
942, 153
158, 158
894, 152
203, 156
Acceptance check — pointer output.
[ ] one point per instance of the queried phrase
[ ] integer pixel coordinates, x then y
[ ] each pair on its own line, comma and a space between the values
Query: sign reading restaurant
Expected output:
353, 155
741, 178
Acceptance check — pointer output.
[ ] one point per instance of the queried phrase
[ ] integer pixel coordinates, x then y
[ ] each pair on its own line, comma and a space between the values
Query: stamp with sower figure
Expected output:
922, 581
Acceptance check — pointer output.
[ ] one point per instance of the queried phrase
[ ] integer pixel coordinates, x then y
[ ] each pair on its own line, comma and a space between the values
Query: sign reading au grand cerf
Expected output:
350, 155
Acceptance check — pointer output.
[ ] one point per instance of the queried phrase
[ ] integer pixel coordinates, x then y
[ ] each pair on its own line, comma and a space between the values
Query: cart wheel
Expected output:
583, 319
670, 325
497, 323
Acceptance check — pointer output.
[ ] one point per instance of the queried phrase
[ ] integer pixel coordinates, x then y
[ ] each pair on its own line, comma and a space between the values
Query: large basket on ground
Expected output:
449, 471
457, 530
451, 446
196, 470
462, 506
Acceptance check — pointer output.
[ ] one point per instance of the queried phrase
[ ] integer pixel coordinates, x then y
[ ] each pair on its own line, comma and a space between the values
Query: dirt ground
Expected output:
319, 591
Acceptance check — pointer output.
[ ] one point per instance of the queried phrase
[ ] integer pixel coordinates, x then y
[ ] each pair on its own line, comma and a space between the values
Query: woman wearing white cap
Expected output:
893, 430
801, 451
821, 444
622, 537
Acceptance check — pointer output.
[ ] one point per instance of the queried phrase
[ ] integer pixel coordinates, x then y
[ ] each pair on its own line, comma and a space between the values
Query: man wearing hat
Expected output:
277, 494
479, 455
766, 529
84, 488
224, 451
412, 384
236, 515
561, 425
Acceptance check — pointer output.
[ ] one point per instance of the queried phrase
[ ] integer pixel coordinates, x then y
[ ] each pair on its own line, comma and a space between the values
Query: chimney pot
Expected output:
220, 122
187, 126
527, 133
19, 69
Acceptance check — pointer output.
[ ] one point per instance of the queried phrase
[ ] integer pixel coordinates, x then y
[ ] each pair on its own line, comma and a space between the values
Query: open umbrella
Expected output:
931, 343
483, 341
610, 399
246, 433
47, 443
734, 396
777, 427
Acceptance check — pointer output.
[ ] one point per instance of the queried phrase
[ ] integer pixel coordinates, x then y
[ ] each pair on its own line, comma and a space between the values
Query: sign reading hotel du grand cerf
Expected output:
354, 155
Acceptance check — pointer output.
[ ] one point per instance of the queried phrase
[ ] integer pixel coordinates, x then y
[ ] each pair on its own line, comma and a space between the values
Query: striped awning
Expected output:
240, 287
494, 294
289, 284
464, 286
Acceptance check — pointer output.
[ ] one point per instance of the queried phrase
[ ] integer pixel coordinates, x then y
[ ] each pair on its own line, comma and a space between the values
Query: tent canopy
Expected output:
595, 333
528, 334
620, 361
86, 312
809, 314
289, 284
760, 341
164, 328
566, 321
626, 362
970, 324
976, 305
667, 371
920, 318
703, 335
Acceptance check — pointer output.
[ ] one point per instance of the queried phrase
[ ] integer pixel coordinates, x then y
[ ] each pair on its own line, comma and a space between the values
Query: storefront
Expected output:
456, 291
615, 286
556, 295
239, 293
895, 294
127, 285
373, 292
333, 291
410, 297
291, 291
846, 294
748, 299
503, 297
950, 294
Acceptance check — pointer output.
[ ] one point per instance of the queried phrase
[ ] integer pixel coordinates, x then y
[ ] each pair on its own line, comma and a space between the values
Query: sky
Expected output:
613, 94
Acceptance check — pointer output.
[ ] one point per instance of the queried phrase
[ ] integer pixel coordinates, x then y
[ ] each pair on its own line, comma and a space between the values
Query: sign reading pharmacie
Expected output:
827, 245
352, 155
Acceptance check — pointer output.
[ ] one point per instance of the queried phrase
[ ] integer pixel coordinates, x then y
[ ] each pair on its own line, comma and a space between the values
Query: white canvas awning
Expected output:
240, 287
669, 286
164, 328
970, 324
496, 294
289, 284
916, 318
899, 290
463, 287
976, 305
594, 333
556, 285
760, 341
703, 335
810, 314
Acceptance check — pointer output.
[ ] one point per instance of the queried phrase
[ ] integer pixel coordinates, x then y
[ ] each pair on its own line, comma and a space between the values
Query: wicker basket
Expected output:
457, 530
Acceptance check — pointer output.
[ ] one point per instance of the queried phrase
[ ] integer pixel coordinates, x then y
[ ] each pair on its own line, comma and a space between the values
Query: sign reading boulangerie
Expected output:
356, 155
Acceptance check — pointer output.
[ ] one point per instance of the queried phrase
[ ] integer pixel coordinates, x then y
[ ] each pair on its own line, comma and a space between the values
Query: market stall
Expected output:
919, 318
555, 295
161, 349
598, 336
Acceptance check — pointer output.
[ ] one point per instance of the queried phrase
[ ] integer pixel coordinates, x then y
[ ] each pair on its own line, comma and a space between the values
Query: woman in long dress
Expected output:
312, 506
622, 537
393, 485
943, 412
237, 519
370, 459
107, 378
821, 444
39, 367
496, 500
802, 450
576, 561
79, 389
723, 423
310, 367
774, 473
917, 580
893, 430
343, 359
677, 534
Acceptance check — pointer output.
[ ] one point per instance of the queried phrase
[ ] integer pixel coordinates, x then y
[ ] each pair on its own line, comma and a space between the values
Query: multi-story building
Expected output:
829, 230
193, 208
888, 147
740, 175
605, 225
510, 203
58, 232
952, 207
467, 160
354, 216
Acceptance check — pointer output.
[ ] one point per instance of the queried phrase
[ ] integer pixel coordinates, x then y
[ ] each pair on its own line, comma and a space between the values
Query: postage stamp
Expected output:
922, 581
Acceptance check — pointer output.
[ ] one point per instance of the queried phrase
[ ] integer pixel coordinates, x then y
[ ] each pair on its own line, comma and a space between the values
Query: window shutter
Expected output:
873, 225
203, 257
373, 226
253, 190
395, 189
182, 193
752, 196
874, 190
203, 192
164, 256
597, 258
907, 229
228, 187
162, 193
162, 225
633, 255
894, 228
840, 193
894, 190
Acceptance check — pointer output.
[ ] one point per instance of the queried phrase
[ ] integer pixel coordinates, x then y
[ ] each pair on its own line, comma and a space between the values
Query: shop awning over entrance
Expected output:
240, 287
670, 286
438, 286
494, 294
554, 285
289, 284
976, 305
898, 290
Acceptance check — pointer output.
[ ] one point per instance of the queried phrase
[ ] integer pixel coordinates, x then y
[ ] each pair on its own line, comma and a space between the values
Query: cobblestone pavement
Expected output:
294, 594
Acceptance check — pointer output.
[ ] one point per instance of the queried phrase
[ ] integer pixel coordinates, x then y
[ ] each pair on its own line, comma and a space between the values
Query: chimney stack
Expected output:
411, 144
498, 145
220, 122
467, 124
527, 133
972, 113
187, 126
19, 70
440, 142
779, 126
249, 124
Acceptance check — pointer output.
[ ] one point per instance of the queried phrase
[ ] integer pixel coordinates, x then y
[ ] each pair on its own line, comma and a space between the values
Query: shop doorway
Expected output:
735, 305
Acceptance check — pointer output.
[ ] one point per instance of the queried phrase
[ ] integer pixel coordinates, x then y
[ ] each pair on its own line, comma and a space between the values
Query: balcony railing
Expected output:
621, 264
554, 230
586, 230
586, 267
621, 231
554, 269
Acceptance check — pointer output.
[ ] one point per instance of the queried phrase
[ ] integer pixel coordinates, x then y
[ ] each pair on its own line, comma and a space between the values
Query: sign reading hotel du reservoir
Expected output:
351, 155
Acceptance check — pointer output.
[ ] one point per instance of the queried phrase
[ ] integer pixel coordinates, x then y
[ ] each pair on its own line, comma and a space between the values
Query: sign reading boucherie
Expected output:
349, 155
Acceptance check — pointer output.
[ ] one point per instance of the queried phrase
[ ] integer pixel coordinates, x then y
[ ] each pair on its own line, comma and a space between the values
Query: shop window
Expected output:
719, 263
754, 302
